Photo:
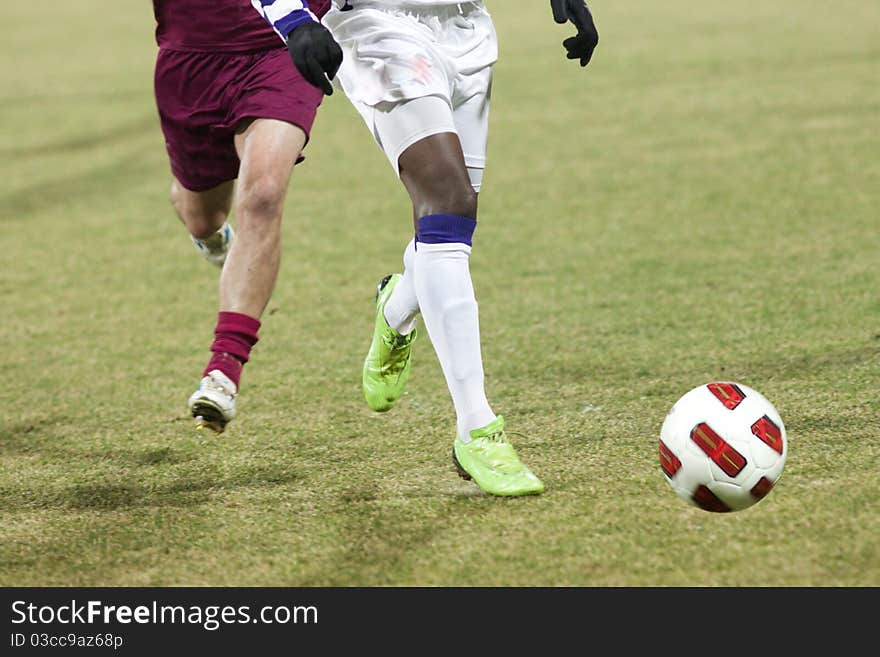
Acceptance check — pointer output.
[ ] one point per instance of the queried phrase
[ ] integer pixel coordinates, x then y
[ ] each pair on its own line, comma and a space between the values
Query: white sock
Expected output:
402, 309
449, 309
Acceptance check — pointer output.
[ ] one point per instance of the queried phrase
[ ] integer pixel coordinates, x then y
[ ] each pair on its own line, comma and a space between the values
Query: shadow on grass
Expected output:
382, 536
27, 436
79, 186
186, 491
42, 436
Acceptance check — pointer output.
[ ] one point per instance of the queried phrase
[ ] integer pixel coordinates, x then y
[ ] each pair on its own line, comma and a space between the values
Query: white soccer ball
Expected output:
723, 447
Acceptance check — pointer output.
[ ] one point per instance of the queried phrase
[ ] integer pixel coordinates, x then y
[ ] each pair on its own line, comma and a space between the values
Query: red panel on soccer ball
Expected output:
708, 501
761, 489
766, 430
723, 455
728, 394
668, 461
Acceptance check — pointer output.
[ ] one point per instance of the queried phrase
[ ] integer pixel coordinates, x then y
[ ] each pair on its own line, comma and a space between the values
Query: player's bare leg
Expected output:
268, 150
205, 215
434, 173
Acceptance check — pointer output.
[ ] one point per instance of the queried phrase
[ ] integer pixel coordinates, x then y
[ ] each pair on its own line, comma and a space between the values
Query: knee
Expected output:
435, 174
457, 198
261, 200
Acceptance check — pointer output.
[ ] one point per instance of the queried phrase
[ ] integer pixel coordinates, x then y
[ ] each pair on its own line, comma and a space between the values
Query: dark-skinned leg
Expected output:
437, 179
431, 170
425, 167
434, 173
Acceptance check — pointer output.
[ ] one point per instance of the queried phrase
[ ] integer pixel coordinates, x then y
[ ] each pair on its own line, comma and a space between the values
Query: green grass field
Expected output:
702, 202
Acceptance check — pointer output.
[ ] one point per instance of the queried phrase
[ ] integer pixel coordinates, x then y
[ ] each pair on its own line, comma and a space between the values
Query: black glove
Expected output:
315, 53
581, 45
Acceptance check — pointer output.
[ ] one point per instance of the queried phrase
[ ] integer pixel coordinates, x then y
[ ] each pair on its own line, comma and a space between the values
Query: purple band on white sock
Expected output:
446, 229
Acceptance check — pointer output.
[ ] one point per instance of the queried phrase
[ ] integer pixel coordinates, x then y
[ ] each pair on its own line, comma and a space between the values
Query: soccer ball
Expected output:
723, 447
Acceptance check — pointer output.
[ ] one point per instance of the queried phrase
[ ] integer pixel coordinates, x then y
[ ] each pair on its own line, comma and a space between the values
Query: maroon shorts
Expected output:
203, 96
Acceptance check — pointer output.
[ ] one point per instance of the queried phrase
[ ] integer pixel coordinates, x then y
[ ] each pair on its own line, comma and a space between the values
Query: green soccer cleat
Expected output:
386, 367
490, 460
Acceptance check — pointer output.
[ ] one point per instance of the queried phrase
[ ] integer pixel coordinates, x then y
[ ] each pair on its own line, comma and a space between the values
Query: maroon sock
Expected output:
234, 337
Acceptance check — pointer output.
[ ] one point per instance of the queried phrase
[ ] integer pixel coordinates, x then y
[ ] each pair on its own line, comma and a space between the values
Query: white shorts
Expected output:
419, 71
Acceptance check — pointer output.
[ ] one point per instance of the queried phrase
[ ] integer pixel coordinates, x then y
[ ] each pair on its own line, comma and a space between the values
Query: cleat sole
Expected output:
207, 416
461, 471
381, 286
